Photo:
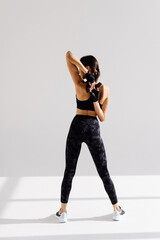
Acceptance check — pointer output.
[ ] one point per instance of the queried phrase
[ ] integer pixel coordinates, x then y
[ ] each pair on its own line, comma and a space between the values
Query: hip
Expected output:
85, 123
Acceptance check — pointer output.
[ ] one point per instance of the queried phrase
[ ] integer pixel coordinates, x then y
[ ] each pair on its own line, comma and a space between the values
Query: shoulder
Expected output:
80, 87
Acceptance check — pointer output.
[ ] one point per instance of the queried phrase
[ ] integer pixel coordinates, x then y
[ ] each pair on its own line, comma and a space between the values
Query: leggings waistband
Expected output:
85, 116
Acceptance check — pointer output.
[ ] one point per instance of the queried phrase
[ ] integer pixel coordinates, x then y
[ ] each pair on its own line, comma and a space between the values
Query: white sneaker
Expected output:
117, 215
61, 216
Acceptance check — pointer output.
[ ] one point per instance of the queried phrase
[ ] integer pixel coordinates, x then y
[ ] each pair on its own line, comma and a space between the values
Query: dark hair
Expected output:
92, 62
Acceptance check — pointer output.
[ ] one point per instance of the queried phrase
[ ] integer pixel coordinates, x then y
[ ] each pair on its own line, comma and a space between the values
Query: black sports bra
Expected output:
87, 104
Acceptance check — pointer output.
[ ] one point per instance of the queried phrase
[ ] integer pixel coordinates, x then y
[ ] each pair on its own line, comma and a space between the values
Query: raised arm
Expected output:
73, 63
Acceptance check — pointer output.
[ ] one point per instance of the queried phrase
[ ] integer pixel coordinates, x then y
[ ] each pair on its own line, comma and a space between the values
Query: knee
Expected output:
69, 173
106, 177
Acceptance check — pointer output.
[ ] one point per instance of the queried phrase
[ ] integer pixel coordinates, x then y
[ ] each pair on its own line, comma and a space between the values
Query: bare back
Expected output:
83, 95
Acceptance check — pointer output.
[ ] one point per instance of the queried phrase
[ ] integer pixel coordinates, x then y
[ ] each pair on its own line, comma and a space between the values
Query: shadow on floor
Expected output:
52, 219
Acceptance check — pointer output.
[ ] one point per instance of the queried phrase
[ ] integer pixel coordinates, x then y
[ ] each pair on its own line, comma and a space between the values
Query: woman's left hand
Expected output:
90, 86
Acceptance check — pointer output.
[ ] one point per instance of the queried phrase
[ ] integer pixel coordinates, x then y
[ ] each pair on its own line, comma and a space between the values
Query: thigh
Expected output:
97, 149
73, 147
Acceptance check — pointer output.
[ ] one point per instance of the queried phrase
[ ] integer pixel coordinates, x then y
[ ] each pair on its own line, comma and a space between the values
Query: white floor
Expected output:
28, 206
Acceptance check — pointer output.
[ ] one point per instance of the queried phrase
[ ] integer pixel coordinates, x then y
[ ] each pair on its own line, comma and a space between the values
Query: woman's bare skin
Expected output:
83, 95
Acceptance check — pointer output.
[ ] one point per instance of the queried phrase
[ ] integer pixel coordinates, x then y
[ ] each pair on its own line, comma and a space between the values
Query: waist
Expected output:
81, 116
86, 112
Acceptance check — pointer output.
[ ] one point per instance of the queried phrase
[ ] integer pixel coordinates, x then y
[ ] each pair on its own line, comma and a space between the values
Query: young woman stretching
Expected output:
92, 99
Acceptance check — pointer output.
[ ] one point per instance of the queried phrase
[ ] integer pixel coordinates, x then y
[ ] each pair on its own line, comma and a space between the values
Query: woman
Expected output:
92, 100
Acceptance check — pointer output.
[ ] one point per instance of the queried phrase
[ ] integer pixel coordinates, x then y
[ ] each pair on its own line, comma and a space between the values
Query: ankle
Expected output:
62, 210
116, 208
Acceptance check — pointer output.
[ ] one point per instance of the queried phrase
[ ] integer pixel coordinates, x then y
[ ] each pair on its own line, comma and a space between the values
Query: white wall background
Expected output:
37, 95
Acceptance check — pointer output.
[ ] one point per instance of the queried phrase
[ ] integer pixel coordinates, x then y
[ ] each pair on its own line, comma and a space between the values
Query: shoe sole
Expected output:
121, 218
60, 220
116, 219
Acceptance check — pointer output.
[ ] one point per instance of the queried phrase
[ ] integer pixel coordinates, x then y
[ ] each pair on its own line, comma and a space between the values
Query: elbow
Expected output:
102, 119
68, 53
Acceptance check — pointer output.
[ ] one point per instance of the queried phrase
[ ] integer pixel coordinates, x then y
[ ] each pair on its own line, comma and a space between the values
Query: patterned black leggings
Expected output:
86, 129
